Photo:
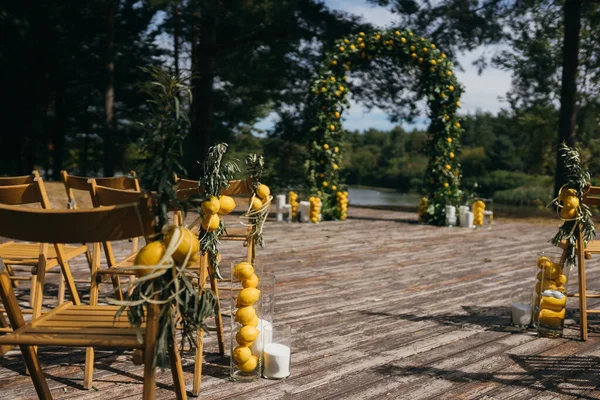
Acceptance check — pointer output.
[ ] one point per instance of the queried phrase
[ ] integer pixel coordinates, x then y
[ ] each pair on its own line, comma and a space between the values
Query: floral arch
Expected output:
441, 90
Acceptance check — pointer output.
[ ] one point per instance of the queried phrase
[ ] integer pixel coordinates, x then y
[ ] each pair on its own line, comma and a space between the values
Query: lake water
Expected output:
372, 197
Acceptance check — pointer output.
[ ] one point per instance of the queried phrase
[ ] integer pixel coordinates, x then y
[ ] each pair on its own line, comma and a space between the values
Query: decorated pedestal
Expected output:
550, 297
245, 313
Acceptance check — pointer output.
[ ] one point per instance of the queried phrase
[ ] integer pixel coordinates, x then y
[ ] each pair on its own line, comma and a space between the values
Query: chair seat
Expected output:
235, 233
78, 326
14, 253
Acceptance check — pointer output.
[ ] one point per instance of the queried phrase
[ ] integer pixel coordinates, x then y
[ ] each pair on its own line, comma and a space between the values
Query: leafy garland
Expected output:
437, 84
215, 177
168, 284
578, 181
255, 164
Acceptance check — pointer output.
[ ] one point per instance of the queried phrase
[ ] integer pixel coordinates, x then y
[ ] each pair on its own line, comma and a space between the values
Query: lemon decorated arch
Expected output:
439, 87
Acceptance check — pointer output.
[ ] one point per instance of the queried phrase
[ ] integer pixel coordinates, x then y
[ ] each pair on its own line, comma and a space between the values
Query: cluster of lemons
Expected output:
342, 204
246, 316
568, 204
212, 207
262, 195
293, 196
315, 209
151, 254
443, 97
478, 209
550, 292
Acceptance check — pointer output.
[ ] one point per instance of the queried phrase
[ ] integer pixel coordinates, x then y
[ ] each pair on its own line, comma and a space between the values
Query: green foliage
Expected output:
436, 83
182, 303
215, 177
578, 179
536, 196
165, 129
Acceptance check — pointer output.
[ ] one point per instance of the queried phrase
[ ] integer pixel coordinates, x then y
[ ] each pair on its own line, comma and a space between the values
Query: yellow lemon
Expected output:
449, 140
333, 187
326, 146
248, 296
332, 127
451, 155
227, 205
254, 322
249, 365
263, 192
567, 193
448, 167
446, 184
325, 184
246, 335
251, 282
570, 201
543, 261
342, 48
458, 104
245, 315
243, 270
333, 62
150, 254
314, 220
451, 88
256, 203
210, 206
241, 354
336, 149
211, 222
189, 244
457, 125
337, 114
568, 213
561, 280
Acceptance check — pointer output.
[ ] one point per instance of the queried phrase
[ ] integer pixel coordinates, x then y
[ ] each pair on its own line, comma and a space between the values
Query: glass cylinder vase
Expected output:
246, 310
550, 298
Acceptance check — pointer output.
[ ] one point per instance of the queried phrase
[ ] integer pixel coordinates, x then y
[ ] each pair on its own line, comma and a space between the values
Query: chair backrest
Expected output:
76, 226
592, 197
237, 188
18, 180
108, 196
26, 193
73, 182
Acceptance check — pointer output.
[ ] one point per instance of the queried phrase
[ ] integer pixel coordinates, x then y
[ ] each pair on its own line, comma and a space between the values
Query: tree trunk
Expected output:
109, 98
58, 135
201, 135
176, 37
568, 91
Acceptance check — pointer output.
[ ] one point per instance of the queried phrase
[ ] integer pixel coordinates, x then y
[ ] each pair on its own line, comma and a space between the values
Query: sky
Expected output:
482, 92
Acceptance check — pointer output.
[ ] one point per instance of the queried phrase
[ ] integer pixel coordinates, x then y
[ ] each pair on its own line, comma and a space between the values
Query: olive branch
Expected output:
169, 285
578, 178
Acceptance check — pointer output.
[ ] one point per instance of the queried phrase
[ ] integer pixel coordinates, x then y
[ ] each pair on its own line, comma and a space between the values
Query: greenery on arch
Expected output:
437, 84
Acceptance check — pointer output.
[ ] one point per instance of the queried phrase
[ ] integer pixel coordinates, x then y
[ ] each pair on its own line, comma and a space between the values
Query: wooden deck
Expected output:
381, 307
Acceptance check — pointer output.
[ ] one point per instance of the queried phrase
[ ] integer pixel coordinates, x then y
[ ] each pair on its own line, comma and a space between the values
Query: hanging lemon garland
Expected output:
570, 207
438, 85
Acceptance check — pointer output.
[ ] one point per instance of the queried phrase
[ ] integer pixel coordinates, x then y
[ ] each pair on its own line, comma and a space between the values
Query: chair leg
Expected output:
88, 256
37, 291
37, 376
70, 283
4, 324
177, 370
88, 376
218, 318
198, 363
582, 288
149, 350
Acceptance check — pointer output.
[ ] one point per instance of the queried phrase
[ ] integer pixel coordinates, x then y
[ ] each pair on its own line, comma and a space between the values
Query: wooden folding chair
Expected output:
82, 325
29, 254
121, 183
9, 181
591, 198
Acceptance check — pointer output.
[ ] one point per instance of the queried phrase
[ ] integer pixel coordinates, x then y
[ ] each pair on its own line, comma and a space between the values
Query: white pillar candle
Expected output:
265, 336
277, 360
521, 314
469, 218
304, 211
279, 206
450, 211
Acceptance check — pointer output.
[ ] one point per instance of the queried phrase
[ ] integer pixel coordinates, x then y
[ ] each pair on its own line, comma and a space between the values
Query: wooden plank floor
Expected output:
381, 307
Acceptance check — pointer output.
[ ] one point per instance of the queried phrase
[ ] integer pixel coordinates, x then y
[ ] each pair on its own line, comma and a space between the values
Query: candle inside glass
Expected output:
277, 354
521, 314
